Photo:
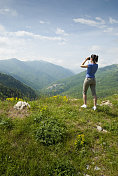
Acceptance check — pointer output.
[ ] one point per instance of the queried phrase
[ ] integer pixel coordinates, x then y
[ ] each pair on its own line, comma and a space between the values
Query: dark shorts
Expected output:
89, 82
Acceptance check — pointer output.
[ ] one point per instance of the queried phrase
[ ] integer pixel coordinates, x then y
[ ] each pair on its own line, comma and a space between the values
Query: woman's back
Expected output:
91, 70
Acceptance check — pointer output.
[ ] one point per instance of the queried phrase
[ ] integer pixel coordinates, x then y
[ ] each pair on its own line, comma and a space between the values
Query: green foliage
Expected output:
10, 87
50, 131
43, 114
6, 123
112, 127
8, 92
62, 168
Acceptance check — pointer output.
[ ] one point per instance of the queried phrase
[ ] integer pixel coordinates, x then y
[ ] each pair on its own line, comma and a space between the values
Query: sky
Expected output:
63, 32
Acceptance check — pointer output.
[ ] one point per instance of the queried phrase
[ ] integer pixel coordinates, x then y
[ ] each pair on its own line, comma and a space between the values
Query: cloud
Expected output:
100, 19
7, 11
28, 27
22, 34
7, 51
2, 29
43, 22
25, 44
113, 51
98, 22
60, 31
62, 43
4, 41
85, 21
95, 48
35, 36
112, 21
108, 30
53, 60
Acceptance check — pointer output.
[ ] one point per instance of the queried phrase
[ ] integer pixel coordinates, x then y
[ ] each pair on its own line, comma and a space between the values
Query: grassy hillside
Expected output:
6, 92
36, 74
10, 87
107, 83
58, 138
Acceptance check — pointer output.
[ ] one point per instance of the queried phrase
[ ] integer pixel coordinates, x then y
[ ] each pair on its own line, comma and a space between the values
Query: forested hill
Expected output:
107, 83
10, 87
36, 74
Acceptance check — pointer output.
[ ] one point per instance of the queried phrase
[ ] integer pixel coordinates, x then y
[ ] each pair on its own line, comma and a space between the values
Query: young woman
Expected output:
90, 79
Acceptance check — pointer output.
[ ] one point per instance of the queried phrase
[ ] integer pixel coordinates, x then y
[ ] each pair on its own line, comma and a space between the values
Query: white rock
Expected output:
105, 131
18, 105
107, 102
87, 166
96, 168
21, 105
99, 128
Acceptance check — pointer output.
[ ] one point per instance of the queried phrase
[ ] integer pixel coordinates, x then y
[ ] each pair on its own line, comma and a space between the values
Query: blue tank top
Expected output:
91, 70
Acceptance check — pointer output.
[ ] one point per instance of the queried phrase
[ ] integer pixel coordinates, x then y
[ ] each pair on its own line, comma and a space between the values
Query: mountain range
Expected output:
106, 78
36, 74
50, 79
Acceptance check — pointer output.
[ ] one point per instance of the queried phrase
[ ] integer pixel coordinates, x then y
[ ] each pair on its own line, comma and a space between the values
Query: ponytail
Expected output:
94, 57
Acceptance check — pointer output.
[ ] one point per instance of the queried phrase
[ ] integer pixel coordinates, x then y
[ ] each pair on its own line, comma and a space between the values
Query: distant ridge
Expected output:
107, 83
36, 74
10, 87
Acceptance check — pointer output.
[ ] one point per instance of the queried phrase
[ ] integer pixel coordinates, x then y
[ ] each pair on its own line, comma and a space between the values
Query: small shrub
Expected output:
6, 123
105, 109
62, 168
38, 118
43, 114
50, 131
34, 106
112, 127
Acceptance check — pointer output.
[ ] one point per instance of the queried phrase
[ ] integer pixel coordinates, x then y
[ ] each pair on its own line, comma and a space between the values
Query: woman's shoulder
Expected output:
92, 65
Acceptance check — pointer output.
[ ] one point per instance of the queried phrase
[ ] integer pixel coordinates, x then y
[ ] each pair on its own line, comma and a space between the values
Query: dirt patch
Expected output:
13, 113
73, 99
107, 102
75, 105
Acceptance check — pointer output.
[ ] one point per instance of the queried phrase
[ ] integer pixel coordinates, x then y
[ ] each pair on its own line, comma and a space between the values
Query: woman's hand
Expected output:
84, 66
88, 58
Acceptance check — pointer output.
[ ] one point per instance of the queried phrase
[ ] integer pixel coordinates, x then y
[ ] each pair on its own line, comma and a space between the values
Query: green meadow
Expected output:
56, 137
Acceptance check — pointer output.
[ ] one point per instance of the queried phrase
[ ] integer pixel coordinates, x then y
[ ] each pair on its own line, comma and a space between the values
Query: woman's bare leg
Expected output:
95, 100
85, 99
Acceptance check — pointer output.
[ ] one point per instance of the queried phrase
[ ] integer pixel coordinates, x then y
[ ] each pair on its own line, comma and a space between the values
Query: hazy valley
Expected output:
48, 79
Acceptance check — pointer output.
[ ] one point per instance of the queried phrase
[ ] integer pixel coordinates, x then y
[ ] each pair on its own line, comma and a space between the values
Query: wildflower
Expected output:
13, 99
20, 99
44, 108
65, 98
10, 99
54, 96
80, 141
